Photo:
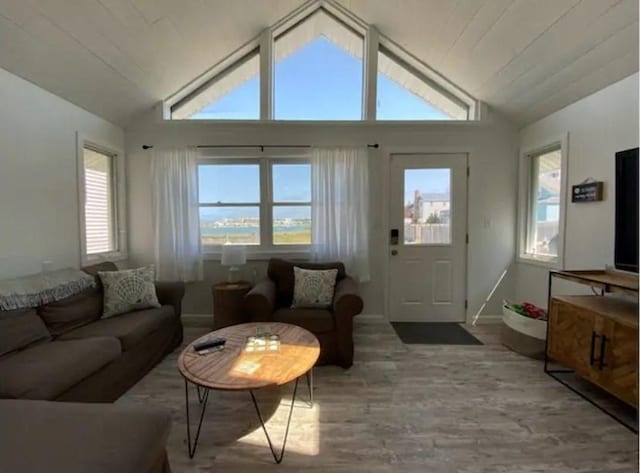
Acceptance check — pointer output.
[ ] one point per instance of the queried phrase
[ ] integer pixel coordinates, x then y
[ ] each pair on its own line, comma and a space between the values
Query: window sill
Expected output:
264, 255
116, 257
551, 263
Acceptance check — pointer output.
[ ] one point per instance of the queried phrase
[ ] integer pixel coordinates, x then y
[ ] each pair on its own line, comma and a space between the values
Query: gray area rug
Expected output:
434, 333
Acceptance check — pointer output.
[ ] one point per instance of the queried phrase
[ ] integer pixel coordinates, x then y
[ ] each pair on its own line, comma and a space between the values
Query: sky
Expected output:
318, 82
232, 183
426, 181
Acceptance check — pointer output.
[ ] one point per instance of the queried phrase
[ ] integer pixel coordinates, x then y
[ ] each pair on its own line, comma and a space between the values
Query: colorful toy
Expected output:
528, 309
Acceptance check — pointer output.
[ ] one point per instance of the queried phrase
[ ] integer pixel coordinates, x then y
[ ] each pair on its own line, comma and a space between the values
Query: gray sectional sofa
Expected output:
64, 351
70, 437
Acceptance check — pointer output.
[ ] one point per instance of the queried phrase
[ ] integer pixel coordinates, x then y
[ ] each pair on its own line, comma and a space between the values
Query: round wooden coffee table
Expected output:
235, 369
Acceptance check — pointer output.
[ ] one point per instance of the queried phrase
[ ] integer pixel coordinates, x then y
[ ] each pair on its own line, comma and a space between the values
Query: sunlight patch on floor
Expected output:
304, 432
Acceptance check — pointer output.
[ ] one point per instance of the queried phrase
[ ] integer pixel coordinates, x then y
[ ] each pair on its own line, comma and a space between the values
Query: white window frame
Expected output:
266, 248
526, 201
372, 42
119, 200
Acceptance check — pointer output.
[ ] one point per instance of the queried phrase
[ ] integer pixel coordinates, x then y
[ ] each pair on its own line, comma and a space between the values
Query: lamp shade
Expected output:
233, 255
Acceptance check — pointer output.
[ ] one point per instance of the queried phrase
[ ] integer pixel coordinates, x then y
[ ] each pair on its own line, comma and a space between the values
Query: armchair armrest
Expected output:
347, 300
171, 293
260, 301
347, 303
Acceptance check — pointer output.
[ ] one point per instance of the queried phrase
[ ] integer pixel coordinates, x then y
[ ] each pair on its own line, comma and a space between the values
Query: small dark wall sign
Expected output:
588, 192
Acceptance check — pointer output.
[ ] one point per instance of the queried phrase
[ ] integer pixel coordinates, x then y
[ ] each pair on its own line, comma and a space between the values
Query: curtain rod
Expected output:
262, 147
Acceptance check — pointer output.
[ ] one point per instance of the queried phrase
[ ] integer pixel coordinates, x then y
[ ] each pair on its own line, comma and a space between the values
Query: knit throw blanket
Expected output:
39, 289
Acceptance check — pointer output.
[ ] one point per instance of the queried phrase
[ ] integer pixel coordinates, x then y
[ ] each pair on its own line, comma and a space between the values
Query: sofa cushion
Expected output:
46, 370
94, 269
281, 272
19, 328
129, 328
314, 320
72, 312
41, 436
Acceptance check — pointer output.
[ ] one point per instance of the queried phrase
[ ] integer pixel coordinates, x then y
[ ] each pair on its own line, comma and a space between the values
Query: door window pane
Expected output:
427, 208
544, 212
239, 225
291, 182
292, 225
318, 71
229, 183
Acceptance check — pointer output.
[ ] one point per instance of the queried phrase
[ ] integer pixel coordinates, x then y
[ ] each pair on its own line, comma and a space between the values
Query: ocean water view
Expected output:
250, 234
249, 230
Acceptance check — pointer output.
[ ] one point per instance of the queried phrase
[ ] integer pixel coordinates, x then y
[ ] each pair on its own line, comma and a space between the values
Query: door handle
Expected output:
593, 348
601, 363
394, 252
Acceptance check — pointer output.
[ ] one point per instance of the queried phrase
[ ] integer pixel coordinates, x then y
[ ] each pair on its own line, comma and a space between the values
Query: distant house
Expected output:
427, 204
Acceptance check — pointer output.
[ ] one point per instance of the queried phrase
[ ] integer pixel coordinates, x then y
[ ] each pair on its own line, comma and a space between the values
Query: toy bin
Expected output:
522, 334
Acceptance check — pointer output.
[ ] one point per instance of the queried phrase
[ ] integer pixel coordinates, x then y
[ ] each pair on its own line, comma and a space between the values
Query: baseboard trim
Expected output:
206, 320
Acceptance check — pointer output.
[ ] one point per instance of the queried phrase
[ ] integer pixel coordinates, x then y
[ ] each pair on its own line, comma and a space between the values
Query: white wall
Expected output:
493, 160
598, 126
38, 179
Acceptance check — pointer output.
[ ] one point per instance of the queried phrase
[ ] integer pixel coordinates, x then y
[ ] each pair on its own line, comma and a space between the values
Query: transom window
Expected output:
320, 64
262, 203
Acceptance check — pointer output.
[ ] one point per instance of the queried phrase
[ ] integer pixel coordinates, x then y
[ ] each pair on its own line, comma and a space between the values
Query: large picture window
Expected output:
265, 204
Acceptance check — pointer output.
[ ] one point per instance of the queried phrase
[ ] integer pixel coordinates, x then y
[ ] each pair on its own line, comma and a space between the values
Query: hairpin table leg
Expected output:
203, 400
277, 457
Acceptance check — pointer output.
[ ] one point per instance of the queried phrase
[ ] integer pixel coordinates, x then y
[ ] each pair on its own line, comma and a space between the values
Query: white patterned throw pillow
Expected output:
127, 290
313, 288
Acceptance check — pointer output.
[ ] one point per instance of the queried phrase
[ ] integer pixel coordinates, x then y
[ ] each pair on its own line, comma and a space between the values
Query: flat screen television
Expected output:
626, 239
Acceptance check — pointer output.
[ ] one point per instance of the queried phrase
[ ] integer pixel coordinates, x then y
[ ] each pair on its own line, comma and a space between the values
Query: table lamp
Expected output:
233, 256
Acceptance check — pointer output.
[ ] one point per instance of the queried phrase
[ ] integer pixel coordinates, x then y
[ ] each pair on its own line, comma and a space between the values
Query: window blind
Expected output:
99, 212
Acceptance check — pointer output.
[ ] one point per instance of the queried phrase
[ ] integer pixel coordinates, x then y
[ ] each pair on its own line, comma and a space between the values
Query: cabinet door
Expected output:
572, 337
620, 371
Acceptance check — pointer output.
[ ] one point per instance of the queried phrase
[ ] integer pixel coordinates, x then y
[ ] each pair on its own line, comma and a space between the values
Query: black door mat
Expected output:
434, 333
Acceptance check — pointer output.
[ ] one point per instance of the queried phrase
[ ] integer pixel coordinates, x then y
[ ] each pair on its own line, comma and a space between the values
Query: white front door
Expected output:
427, 237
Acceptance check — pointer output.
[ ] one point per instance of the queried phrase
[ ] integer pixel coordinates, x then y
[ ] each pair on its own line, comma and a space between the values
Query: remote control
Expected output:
216, 342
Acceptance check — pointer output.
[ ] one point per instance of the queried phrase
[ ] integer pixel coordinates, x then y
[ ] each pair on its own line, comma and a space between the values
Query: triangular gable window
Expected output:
318, 70
404, 94
233, 94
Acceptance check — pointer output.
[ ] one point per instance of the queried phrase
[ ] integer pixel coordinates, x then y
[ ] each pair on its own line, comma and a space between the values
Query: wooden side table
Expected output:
228, 303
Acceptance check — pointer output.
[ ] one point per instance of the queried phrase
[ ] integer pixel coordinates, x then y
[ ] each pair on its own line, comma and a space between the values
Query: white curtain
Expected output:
174, 182
340, 208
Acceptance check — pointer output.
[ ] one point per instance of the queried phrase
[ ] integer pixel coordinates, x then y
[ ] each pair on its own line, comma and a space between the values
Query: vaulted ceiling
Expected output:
116, 58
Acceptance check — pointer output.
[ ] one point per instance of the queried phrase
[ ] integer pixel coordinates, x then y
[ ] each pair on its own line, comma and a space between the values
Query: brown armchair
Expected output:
270, 300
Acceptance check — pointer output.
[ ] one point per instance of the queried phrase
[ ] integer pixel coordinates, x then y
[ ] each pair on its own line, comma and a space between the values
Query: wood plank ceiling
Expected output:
116, 58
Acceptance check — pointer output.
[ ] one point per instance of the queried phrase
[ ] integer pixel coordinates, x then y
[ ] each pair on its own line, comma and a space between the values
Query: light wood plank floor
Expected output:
402, 408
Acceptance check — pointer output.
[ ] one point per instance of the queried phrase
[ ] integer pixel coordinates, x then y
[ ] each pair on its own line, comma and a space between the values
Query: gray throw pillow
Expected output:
127, 290
313, 288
